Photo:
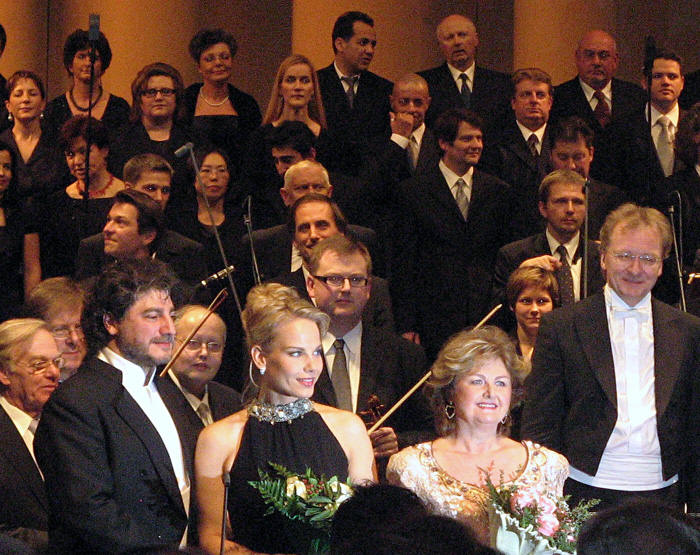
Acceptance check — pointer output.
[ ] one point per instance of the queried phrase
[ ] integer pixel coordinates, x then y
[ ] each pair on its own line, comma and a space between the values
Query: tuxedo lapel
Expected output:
429, 154
128, 409
592, 327
441, 191
516, 143
323, 392
666, 354
16, 455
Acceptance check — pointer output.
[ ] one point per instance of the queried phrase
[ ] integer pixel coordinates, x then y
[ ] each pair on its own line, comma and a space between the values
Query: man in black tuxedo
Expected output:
362, 359
356, 101
30, 364
135, 229
572, 149
451, 222
481, 90
594, 94
562, 205
117, 476
615, 378
634, 159
519, 153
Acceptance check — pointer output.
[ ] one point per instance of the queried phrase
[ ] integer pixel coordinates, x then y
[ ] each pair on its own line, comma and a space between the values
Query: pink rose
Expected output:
522, 498
546, 505
547, 525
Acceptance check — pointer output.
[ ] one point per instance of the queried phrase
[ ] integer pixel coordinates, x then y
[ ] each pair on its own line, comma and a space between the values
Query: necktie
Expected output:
532, 141
566, 281
602, 110
461, 197
412, 152
664, 146
464, 90
350, 93
340, 377
204, 413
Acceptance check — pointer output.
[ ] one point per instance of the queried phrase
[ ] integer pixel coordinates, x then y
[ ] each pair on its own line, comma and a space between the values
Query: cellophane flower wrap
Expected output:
306, 498
525, 521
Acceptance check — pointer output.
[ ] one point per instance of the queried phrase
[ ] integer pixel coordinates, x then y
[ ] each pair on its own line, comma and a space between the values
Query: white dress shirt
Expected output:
673, 116
589, 91
452, 178
631, 460
539, 133
25, 424
346, 86
200, 406
576, 266
469, 72
352, 349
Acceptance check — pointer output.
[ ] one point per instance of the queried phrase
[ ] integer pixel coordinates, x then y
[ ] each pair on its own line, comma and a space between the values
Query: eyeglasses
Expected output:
339, 281
647, 260
42, 365
64, 332
195, 345
151, 93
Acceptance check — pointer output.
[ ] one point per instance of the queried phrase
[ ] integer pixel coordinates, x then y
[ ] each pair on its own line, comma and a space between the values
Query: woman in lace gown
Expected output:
470, 391
280, 425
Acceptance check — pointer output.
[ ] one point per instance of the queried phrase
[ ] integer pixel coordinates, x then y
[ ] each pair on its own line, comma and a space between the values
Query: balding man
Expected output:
459, 82
594, 94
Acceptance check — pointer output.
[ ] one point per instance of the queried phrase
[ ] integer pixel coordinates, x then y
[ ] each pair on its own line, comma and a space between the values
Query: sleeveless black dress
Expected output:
305, 442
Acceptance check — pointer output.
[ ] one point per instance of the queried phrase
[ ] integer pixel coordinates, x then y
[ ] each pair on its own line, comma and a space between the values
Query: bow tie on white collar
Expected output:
640, 313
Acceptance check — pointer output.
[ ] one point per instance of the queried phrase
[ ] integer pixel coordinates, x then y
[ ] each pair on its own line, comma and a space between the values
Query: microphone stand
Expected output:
219, 244
93, 37
584, 263
676, 251
247, 220
226, 478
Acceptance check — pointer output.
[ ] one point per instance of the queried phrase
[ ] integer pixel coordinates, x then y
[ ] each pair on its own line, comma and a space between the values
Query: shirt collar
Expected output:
539, 133
341, 74
614, 302
451, 177
192, 399
132, 373
470, 75
589, 91
570, 246
21, 419
352, 339
418, 133
673, 115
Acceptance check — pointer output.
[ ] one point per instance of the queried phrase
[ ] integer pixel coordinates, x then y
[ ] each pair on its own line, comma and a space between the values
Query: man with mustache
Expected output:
520, 153
356, 101
117, 476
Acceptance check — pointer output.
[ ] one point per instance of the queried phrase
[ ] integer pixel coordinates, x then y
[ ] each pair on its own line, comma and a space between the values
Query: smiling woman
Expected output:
280, 425
471, 392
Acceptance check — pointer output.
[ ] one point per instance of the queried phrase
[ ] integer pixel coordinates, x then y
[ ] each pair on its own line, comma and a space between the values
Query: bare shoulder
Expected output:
340, 419
220, 440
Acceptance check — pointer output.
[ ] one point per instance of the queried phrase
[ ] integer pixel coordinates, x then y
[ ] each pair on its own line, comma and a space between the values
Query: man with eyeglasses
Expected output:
615, 381
362, 359
595, 95
30, 366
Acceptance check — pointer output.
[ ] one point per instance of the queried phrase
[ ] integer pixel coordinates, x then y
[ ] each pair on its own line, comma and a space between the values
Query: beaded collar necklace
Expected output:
267, 412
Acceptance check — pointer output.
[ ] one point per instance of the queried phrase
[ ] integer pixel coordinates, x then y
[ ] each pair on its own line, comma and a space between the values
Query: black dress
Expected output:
58, 112
305, 442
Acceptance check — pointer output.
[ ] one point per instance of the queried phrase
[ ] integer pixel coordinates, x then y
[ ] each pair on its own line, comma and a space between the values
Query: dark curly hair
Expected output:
76, 127
117, 288
80, 40
206, 38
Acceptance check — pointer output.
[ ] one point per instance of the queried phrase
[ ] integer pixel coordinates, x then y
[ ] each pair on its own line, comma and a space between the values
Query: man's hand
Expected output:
401, 124
384, 442
412, 336
546, 262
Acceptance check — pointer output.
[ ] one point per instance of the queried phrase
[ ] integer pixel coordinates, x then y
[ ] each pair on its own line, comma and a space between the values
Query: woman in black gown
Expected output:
215, 108
279, 425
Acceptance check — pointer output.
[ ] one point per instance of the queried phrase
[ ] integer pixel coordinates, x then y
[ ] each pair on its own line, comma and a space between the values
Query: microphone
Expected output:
94, 31
226, 479
183, 150
217, 276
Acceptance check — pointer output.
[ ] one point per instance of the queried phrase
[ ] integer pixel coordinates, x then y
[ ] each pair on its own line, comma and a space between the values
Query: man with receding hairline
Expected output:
482, 90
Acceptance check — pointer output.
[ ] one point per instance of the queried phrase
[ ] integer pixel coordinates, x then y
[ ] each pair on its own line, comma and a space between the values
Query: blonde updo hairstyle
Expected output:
459, 357
270, 306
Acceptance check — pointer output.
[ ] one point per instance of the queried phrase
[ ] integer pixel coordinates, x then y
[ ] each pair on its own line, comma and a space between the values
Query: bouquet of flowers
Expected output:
526, 521
305, 498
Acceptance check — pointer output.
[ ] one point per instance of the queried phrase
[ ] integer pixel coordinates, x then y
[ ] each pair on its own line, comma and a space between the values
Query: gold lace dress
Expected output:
415, 468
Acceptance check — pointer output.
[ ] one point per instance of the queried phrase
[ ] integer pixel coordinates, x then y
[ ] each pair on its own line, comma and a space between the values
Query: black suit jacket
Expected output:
23, 504
570, 100
109, 479
629, 161
490, 96
507, 156
349, 129
184, 256
513, 254
377, 311
571, 397
389, 367
444, 265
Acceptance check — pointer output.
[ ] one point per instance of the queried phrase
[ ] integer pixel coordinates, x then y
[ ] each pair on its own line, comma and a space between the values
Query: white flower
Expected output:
295, 485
